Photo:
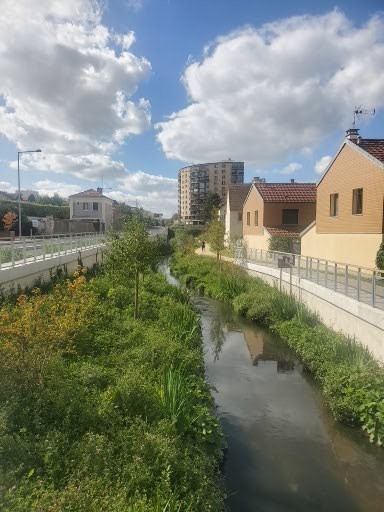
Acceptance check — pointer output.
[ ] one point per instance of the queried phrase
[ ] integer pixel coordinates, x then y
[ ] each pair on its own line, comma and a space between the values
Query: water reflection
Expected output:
285, 452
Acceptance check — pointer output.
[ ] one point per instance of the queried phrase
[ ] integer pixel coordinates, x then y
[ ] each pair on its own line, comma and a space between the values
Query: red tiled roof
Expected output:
89, 193
374, 147
237, 195
287, 192
291, 232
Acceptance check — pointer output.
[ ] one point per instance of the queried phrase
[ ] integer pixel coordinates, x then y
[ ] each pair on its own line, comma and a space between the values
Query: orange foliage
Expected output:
41, 326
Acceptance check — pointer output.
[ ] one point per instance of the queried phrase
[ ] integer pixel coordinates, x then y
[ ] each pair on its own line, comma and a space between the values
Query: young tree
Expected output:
211, 205
131, 253
9, 220
215, 235
380, 257
183, 242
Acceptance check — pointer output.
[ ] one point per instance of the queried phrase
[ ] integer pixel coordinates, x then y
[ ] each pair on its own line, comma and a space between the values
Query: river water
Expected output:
285, 451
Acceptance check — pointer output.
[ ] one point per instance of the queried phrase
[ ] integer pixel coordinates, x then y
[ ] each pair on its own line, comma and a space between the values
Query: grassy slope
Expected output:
99, 412
352, 382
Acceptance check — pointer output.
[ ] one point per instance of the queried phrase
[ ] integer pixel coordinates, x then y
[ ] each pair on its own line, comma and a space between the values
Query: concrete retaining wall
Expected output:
27, 275
353, 318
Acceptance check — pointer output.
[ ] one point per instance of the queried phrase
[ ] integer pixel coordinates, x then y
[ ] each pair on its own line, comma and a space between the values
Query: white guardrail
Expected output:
14, 253
363, 284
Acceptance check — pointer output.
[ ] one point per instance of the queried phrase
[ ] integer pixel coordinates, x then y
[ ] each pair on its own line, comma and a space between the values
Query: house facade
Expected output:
350, 198
277, 209
91, 205
232, 211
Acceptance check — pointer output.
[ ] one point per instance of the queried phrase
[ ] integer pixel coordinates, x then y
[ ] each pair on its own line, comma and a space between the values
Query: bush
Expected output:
380, 257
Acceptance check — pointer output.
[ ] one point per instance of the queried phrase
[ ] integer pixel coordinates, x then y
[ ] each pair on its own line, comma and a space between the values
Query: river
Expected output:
285, 451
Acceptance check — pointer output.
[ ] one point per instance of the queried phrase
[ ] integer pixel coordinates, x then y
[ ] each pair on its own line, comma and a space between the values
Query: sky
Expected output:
126, 92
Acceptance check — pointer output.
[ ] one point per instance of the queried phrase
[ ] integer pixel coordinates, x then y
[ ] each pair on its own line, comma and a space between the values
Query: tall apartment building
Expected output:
197, 181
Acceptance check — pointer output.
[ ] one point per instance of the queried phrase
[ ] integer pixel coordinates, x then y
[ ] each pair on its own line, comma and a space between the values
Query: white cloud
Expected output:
48, 187
322, 163
156, 193
135, 5
5, 186
261, 94
65, 85
291, 168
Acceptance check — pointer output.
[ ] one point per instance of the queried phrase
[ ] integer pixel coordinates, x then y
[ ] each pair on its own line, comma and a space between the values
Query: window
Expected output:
357, 201
240, 216
290, 216
256, 217
95, 207
334, 205
248, 218
78, 204
85, 206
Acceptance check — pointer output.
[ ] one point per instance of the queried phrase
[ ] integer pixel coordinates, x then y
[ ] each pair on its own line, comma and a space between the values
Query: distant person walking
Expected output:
203, 246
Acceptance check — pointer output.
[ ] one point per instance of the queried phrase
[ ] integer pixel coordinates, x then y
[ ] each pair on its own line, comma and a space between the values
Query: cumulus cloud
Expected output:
291, 168
48, 187
65, 85
156, 193
260, 94
322, 163
135, 5
5, 186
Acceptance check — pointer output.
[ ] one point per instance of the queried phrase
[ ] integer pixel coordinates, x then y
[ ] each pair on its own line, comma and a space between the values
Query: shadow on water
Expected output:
285, 451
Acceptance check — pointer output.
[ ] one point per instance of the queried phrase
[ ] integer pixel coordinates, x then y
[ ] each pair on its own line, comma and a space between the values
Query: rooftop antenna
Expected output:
359, 112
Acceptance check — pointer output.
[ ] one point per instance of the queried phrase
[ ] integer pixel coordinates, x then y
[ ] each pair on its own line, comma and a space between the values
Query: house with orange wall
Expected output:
349, 211
277, 209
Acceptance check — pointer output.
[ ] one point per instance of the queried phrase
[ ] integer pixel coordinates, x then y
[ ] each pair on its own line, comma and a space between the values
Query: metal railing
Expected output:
14, 253
362, 284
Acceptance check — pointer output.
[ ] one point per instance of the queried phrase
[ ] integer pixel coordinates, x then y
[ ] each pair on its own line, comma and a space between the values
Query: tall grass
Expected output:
174, 393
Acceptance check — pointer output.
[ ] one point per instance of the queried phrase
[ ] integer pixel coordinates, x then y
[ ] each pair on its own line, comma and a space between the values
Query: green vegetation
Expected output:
211, 205
280, 244
183, 241
351, 380
380, 257
34, 210
103, 412
215, 235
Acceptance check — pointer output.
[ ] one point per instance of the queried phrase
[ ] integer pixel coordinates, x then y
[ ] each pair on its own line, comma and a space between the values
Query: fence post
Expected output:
326, 274
358, 282
298, 266
335, 280
373, 288
24, 251
318, 271
310, 269
13, 252
35, 249
306, 267
290, 280
346, 280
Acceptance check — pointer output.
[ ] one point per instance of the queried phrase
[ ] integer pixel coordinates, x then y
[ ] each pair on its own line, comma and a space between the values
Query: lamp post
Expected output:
18, 180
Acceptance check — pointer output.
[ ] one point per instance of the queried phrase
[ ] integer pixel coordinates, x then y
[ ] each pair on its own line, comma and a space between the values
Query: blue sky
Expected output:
272, 83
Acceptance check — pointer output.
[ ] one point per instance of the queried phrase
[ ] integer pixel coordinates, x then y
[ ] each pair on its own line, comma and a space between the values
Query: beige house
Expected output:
232, 211
277, 209
349, 213
91, 206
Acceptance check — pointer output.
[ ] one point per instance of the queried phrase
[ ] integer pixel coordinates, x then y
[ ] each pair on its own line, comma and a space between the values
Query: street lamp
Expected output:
18, 180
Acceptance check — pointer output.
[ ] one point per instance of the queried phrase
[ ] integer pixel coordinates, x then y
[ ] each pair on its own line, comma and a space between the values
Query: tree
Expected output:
280, 244
212, 204
183, 242
380, 257
32, 198
215, 235
131, 253
9, 220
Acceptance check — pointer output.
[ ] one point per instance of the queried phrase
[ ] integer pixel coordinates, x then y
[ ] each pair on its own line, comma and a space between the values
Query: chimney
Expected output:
257, 179
352, 134
292, 180
100, 190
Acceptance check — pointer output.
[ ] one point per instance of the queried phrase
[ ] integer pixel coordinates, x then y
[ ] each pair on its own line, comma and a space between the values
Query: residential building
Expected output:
350, 198
92, 205
277, 209
232, 211
197, 181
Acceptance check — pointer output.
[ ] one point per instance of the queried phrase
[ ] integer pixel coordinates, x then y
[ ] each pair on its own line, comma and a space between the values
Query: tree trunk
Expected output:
136, 312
